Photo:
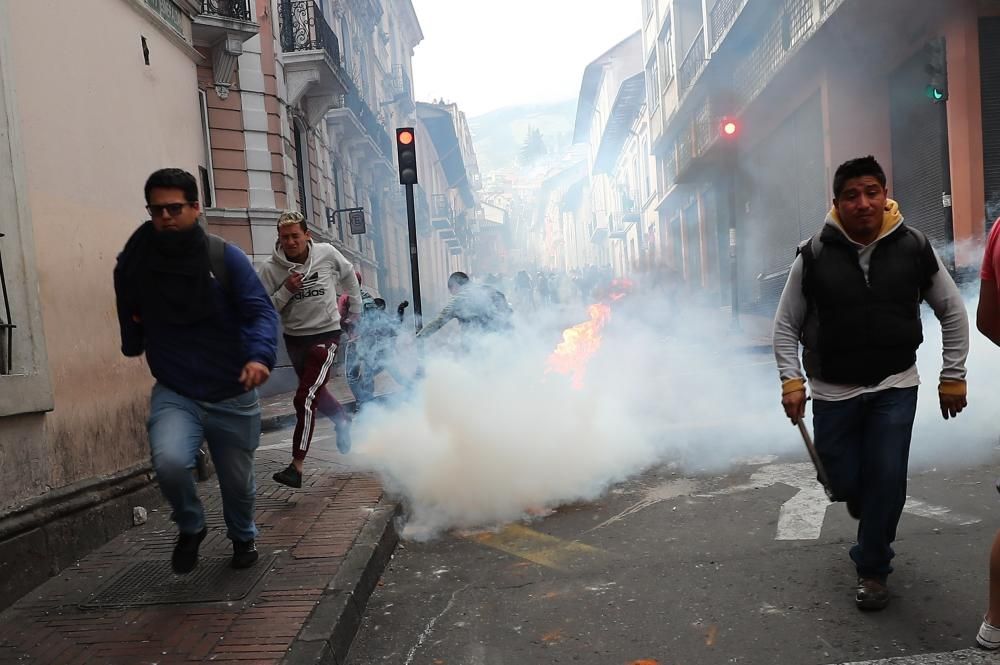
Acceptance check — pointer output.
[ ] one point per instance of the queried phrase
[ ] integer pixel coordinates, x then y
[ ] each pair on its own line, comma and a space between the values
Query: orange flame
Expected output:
582, 341
579, 344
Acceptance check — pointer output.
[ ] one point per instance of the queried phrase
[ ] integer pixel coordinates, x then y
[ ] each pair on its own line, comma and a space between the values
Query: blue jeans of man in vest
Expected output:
177, 426
864, 444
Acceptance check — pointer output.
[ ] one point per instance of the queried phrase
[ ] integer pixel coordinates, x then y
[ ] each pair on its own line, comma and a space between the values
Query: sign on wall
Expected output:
168, 11
356, 219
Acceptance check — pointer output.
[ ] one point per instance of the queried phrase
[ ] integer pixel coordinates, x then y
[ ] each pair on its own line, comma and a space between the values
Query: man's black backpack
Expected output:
217, 260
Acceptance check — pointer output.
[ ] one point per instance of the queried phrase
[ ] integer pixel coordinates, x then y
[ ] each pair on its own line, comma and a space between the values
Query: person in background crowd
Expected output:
477, 307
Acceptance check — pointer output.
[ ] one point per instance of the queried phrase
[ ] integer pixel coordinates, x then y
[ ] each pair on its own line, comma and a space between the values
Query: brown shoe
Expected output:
873, 594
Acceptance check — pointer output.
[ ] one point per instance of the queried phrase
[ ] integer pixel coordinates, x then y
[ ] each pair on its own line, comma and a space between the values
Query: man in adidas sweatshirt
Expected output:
853, 301
303, 279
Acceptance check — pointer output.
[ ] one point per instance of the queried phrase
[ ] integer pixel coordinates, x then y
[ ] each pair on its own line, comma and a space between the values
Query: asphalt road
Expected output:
747, 568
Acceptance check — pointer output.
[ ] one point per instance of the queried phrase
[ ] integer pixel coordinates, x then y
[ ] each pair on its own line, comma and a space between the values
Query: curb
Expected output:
326, 636
277, 421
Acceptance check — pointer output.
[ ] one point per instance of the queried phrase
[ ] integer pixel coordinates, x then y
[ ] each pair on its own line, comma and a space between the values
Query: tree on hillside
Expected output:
533, 147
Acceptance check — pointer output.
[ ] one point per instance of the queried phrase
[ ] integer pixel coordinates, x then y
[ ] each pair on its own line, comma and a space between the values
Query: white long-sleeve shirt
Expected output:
943, 296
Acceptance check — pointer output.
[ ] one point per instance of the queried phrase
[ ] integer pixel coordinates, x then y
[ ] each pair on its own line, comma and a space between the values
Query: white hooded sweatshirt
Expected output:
313, 310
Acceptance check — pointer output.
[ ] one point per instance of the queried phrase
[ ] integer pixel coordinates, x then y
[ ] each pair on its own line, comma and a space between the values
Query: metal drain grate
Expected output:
152, 582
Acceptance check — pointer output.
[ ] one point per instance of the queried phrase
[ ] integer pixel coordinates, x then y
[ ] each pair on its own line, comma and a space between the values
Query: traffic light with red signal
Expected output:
406, 154
729, 128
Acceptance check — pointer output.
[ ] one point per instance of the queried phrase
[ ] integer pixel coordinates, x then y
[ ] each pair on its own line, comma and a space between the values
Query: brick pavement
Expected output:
308, 532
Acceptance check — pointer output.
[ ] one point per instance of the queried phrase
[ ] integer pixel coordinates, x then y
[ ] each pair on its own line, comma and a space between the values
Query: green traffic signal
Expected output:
935, 93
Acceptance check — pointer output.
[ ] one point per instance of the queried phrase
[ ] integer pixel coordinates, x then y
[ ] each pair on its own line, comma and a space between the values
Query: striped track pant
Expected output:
312, 358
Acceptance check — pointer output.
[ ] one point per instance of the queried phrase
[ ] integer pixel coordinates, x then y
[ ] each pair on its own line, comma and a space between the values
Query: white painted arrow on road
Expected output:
802, 516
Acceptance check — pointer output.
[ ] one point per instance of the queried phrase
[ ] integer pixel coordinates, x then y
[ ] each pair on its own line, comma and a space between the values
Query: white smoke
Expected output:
972, 437
487, 436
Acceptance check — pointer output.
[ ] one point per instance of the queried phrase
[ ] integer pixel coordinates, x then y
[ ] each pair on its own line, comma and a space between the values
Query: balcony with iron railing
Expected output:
779, 31
304, 28
598, 229
693, 64
311, 55
402, 86
785, 32
238, 10
372, 124
442, 215
722, 17
622, 223
222, 27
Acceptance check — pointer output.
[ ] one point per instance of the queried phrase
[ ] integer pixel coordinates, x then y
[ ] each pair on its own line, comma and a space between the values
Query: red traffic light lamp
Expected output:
406, 155
730, 128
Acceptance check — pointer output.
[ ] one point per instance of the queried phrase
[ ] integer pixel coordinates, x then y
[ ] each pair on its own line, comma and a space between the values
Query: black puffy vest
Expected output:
858, 332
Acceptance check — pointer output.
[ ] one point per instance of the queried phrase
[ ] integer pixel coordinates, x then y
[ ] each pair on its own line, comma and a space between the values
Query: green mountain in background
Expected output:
499, 135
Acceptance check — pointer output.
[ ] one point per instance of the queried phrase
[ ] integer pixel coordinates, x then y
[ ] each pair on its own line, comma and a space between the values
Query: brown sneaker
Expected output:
873, 594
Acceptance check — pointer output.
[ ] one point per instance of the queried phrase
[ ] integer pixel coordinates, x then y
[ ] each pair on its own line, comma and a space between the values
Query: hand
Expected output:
402, 306
952, 405
294, 282
254, 374
795, 405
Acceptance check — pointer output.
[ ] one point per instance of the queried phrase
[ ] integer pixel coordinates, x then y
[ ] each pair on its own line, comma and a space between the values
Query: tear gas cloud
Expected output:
487, 436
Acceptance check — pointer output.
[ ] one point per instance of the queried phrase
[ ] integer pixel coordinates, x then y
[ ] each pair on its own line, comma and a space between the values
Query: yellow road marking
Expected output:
538, 547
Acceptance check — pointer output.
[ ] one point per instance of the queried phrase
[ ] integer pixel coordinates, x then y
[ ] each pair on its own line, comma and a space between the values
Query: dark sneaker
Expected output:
873, 594
854, 507
291, 477
244, 554
185, 556
343, 429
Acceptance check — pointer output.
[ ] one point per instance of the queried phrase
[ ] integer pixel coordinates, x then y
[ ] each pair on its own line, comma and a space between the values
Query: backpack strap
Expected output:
927, 259
809, 251
217, 260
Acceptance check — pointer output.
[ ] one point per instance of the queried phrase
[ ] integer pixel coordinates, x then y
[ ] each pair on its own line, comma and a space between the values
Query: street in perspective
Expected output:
447, 332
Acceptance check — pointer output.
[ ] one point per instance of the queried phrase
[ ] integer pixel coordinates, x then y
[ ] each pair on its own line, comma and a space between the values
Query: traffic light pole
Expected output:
411, 224
734, 282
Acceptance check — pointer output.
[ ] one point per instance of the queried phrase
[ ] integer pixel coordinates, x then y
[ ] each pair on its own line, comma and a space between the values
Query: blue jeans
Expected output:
361, 371
177, 425
864, 444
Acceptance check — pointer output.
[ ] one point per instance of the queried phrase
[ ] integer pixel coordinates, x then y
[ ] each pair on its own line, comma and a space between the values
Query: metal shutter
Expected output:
692, 240
783, 214
919, 151
811, 185
712, 235
989, 66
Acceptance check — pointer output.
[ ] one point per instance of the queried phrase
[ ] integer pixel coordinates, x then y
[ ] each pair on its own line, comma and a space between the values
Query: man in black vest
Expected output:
853, 301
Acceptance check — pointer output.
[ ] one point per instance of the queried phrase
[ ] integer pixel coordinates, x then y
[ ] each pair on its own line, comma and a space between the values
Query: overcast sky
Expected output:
487, 54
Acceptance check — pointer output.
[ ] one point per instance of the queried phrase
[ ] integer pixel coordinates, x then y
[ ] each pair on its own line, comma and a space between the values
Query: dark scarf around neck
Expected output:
166, 275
